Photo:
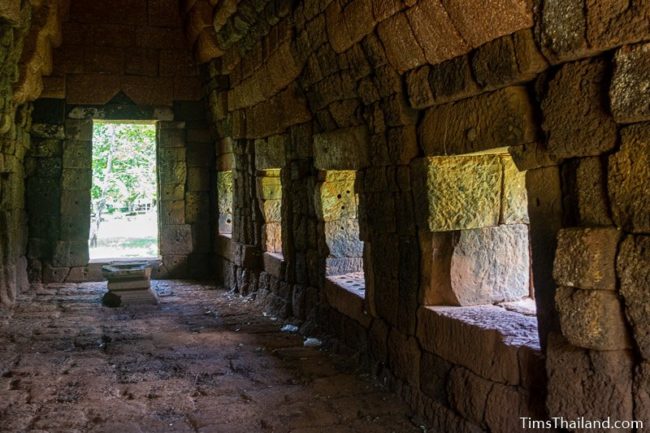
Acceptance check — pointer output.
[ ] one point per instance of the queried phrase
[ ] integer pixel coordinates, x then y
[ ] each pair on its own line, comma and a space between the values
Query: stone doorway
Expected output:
124, 193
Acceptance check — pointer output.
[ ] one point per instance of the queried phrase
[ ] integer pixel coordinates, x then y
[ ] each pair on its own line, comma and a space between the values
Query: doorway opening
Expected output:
124, 194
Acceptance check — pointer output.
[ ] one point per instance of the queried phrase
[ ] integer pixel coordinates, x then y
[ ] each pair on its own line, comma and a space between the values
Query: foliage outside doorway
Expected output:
124, 194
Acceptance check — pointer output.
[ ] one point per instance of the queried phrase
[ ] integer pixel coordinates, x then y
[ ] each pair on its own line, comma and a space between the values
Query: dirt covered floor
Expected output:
201, 361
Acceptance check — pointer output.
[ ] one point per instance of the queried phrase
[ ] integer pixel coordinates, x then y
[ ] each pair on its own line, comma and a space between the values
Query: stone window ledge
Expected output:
495, 343
274, 264
346, 294
223, 246
151, 261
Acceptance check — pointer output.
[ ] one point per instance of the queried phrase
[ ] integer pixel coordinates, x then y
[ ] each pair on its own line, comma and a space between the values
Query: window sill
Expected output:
151, 261
274, 264
469, 336
223, 246
346, 294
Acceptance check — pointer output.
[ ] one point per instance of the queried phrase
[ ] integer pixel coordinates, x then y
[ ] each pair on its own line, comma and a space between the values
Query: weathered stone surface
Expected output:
491, 264
480, 22
70, 253
346, 299
272, 237
345, 149
172, 191
457, 193
634, 274
404, 357
270, 153
489, 121
342, 238
402, 49
337, 199
452, 80
611, 23
562, 29
339, 37
272, 211
418, 88
468, 394
10, 10
275, 265
434, 374
629, 92
77, 154
468, 336
172, 172
576, 120
506, 405
642, 393
495, 63
585, 383
586, 258
530, 156
269, 188
46, 148
53, 274
628, 179
507, 60
197, 207
592, 319
77, 179
224, 247
198, 179
172, 212
514, 204
474, 267
591, 194
91, 89
435, 32
175, 239
171, 134
225, 201
544, 189
530, 61
359, 19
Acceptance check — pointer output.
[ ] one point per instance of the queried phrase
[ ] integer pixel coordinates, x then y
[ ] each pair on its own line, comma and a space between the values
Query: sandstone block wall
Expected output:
15, 123
375, 88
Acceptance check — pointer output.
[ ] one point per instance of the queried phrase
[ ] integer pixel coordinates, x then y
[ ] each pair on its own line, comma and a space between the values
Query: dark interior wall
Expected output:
384, 88
15, 119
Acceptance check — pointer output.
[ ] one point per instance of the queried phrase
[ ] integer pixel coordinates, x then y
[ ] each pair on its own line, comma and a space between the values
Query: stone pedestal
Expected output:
128, 284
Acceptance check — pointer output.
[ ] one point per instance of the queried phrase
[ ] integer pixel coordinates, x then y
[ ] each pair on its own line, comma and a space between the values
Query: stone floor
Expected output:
202, 361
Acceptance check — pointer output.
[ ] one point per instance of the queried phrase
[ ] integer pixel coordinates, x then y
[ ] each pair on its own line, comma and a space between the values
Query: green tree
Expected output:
124, 167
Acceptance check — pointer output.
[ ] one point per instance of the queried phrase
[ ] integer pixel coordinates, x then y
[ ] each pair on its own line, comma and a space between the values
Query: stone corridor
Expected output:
202, 361
456, 191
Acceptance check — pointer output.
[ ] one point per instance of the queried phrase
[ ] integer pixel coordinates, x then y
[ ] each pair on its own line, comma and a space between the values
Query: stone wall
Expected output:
378, 87
28, 32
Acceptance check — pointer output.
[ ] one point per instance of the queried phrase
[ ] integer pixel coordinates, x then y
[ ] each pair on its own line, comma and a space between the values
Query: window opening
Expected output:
124, 194
225, 202
270, 199
338, 206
